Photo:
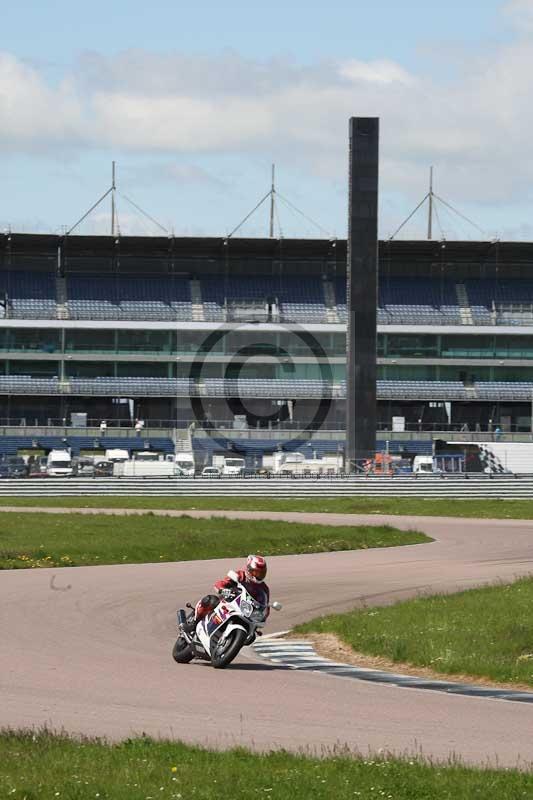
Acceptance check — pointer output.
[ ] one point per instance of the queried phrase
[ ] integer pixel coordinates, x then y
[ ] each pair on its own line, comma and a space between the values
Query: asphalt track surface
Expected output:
88, 650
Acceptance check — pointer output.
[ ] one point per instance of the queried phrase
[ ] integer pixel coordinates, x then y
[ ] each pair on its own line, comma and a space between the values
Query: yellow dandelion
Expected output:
173, 769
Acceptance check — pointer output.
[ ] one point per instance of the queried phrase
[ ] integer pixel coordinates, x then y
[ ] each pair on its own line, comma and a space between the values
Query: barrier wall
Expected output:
479, 486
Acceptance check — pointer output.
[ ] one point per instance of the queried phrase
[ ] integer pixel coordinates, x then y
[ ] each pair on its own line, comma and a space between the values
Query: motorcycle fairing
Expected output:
216, 618
220, 616
207, 626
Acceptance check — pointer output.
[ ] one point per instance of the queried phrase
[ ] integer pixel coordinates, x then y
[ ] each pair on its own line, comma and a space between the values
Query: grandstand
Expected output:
217, 331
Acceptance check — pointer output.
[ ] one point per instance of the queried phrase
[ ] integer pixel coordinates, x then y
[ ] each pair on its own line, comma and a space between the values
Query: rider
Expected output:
252, 577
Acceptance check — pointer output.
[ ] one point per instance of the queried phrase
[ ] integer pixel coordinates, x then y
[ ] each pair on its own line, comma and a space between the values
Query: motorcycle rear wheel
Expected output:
224, 652
182, 651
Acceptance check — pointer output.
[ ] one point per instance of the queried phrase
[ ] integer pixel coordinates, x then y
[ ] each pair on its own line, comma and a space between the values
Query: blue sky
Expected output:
194, 102
55, 32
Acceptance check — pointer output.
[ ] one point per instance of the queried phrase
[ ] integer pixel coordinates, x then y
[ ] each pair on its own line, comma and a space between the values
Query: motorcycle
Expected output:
234, 623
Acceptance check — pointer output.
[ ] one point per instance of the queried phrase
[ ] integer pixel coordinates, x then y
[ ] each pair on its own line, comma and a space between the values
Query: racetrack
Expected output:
89, 651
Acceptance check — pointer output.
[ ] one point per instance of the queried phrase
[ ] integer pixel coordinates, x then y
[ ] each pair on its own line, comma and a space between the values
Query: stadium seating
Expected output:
29, 295
502, 302
132, 387
25, 384
128, 297
246, 387
270, 388
504, 390
295, 300
404, 301
410, 301
421, 390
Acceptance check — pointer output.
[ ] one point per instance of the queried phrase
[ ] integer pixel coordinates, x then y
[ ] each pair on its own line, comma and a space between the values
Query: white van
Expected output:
146, 455
185, 464
59, 464
229, 465
117, 455
424, 465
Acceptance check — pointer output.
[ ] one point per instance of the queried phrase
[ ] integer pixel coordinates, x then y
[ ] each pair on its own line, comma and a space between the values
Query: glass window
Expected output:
36, 339
37, 369
89, 341
89, 369
137, 369
513, 373
407, 372
145, 341
411, 346
192, 342
467, 347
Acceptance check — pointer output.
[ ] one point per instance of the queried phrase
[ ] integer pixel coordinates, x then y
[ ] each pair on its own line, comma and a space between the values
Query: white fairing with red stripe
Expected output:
242, 612
220, 635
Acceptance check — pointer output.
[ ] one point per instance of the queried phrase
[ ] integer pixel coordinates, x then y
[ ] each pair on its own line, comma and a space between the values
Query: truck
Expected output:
147, 455
117, 455
296, 463
144, 468
184, 464
59, 464
425, 465
229, 465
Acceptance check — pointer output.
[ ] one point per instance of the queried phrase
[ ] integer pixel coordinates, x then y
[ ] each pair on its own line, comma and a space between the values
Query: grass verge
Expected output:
59, 540
489, 508
485, 633
46, 766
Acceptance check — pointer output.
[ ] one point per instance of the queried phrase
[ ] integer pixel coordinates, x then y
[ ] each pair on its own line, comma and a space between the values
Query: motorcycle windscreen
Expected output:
258, 594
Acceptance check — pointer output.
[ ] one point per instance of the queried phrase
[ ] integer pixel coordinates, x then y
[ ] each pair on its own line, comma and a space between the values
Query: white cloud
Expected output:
170, 172
34, 115
374, 72
520, 14
474, 128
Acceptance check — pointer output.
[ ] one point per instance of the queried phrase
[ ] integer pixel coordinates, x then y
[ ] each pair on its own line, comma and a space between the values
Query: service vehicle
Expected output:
59, 464
185, 464
425, 465
103, 468
145, 468
229, 465
37, 467
211, 472
16, 467
117, 455
146, 455
85, 467
297, 464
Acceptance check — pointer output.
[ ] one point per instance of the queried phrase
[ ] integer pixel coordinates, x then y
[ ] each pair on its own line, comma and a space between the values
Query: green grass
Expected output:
58, 540
485, 632
35, 766
435, 507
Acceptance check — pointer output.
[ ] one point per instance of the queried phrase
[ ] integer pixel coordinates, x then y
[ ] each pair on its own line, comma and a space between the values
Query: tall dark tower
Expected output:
362, 280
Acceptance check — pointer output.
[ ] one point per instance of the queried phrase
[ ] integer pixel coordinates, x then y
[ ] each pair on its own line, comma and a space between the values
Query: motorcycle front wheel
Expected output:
225, 651
182, 652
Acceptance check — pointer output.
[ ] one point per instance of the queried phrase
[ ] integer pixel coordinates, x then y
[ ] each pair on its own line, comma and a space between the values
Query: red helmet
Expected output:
256, 569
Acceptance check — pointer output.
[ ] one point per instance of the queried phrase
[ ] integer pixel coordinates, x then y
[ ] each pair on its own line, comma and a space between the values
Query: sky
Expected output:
195, 101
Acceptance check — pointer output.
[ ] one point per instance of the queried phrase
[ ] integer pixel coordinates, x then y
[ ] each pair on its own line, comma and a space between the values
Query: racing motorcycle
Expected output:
235, 622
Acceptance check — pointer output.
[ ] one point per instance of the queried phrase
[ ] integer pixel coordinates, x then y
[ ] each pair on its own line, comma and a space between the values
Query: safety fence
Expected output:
508, 486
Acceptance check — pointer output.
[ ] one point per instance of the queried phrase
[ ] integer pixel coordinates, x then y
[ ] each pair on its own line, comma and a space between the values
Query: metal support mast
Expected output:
430, 204
272, 193
362, 275
113, 190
